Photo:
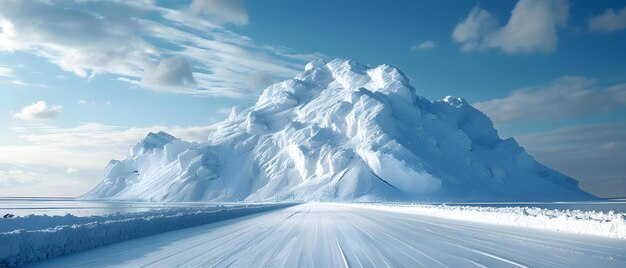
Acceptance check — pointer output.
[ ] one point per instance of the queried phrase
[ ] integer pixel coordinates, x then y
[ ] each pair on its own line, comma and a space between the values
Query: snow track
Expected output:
338, 235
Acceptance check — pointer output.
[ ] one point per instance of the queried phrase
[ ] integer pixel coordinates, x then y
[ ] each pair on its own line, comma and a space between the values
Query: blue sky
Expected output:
83, 80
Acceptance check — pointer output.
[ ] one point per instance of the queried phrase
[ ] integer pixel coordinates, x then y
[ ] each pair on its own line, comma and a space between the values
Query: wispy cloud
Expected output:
21, 83
169, 74
531, 28
89, 145
567, 97
224, 110
6, 72
593, 154
43, 180
230, 11
17, 177
71, 155
146, 44
424, 45
608, 21
39, 110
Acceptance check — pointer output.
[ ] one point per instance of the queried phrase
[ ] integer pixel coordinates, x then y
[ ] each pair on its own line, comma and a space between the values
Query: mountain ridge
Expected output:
339, 130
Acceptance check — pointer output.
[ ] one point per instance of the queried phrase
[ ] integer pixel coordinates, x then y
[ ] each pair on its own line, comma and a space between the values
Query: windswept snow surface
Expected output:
343, 235
610, 224
339, 131
36, 237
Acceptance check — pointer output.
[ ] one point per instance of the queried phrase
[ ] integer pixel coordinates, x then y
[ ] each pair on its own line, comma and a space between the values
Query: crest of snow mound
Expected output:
339, 131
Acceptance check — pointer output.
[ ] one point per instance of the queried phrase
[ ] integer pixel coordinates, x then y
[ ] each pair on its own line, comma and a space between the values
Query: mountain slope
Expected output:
339, 131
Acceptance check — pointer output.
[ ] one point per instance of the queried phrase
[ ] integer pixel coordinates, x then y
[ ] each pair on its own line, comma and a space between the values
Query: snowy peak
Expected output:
339, 130
156, 140
152, 141
345, 75
352, 75
456, 102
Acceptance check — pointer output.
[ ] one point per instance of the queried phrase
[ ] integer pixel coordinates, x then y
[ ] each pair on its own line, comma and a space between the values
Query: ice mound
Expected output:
339, 131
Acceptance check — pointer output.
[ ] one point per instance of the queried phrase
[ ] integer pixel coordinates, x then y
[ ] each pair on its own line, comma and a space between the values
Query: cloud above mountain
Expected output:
532, 27
230, 11
565, 98
185, 49
88, 145
169, 75
592, 154
424, 45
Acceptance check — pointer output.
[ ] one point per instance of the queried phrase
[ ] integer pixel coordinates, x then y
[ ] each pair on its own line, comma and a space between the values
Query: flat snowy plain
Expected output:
366, 235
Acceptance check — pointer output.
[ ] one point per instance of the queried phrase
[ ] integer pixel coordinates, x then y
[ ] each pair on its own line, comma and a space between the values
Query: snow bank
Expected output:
28, 245
42, 221
609, 224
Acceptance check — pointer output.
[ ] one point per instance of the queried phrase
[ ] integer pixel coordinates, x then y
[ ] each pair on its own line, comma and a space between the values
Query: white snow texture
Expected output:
42, 237
608, 224
339, 131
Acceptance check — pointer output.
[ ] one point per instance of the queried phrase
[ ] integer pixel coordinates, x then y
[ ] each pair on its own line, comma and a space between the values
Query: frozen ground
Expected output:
338, 235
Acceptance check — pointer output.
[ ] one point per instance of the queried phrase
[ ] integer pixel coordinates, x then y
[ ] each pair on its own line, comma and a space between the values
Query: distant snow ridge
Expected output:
339, 131
609, 224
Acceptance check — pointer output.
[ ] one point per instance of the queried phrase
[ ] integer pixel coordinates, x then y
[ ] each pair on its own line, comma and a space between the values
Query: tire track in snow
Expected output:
336, 235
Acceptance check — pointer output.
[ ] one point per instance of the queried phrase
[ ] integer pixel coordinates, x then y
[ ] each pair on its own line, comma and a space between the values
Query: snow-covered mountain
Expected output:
339, 131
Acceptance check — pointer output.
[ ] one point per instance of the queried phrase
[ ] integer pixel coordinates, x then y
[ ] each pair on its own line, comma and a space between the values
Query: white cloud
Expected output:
171, 74
567, 97
473, 28
424, 45
259, 81
592, 154
85, 102
42, 156
39, 110
21, 83
6, 72
12, 181
138, 40
532, 27
230, 11
17, 177
89, 145
18, 129
42, 180
609, 21
78, 41
224, 110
